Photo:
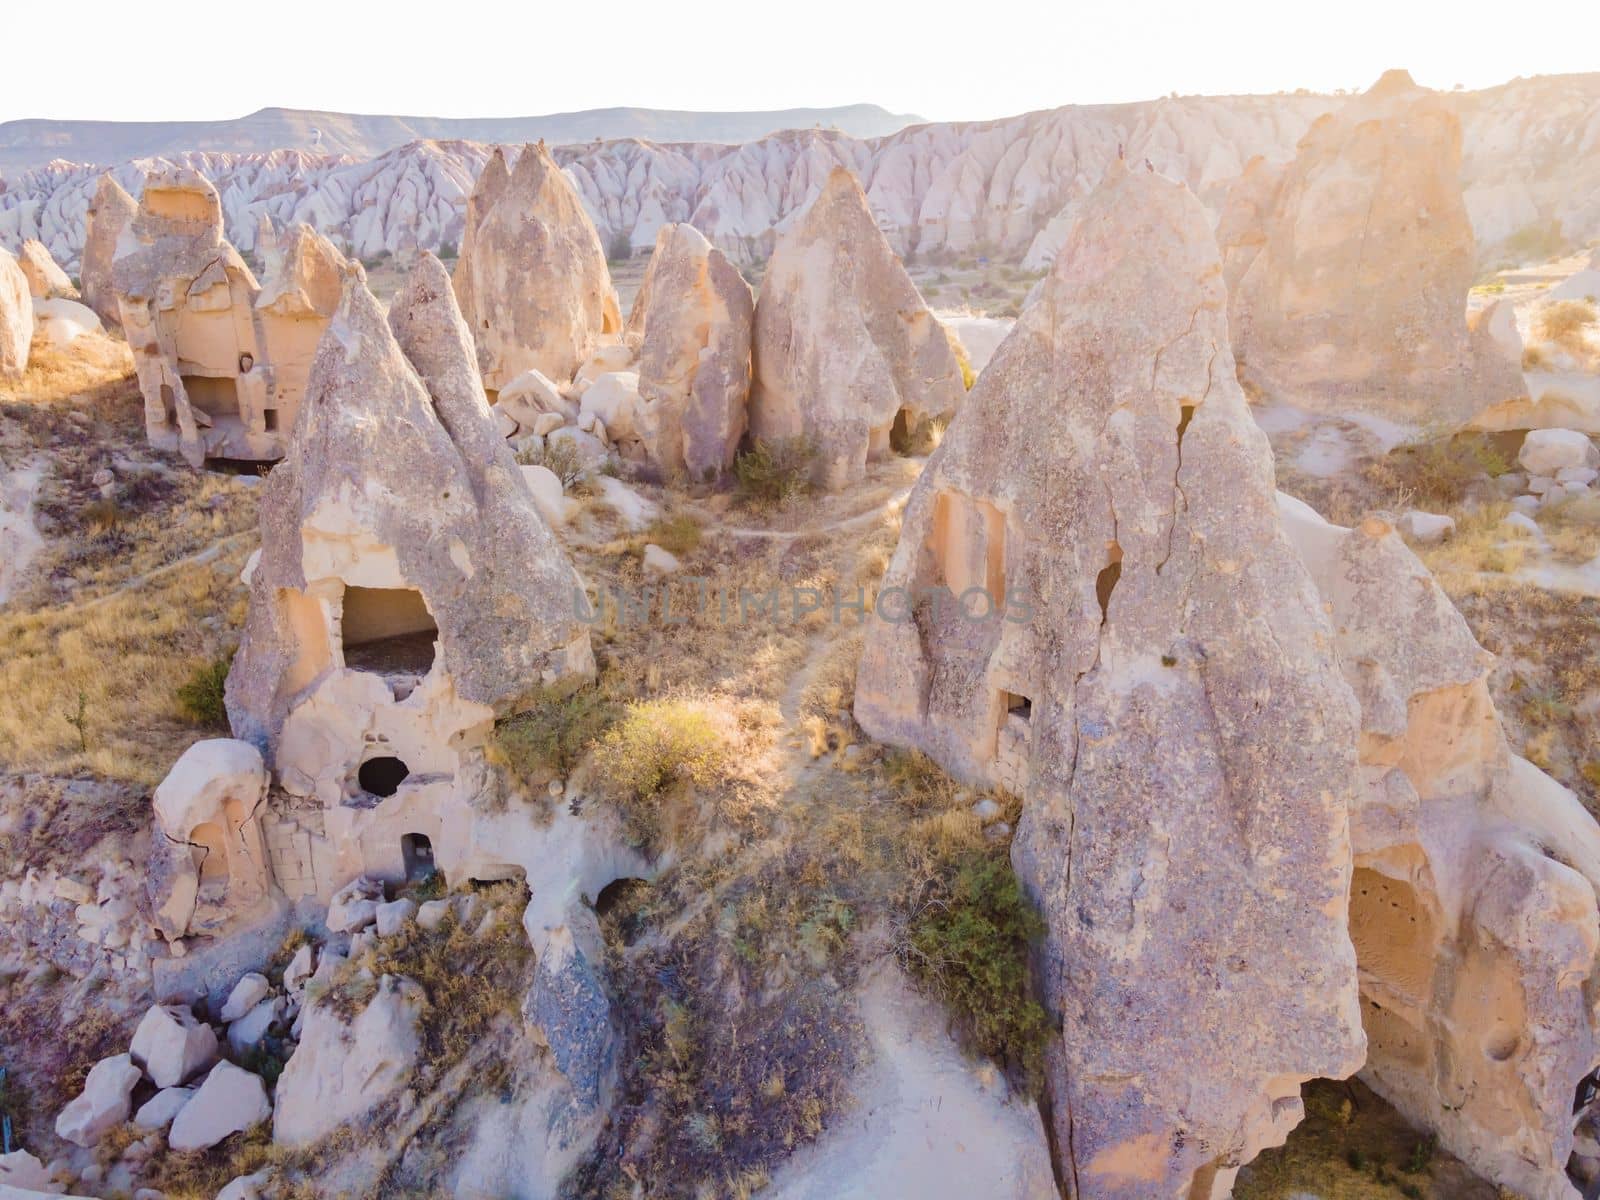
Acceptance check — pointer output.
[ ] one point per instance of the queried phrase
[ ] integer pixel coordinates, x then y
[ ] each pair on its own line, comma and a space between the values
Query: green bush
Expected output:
658, 743
200, 698
554, 732
971, 947
562, 458
774, 472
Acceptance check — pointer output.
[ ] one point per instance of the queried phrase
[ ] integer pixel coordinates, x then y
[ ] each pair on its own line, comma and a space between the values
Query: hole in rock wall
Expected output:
1588, 1090
387, 629
620, 908
269, 418
1106, 582
212, 396
416, 853
383, 776
1018, 706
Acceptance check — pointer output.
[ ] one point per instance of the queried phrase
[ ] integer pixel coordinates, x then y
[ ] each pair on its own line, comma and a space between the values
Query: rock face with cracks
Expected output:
1356, 287
693, 317
107, 216
844, 348
532, 279
1159, 686
46, 280
1473, 905
408, 591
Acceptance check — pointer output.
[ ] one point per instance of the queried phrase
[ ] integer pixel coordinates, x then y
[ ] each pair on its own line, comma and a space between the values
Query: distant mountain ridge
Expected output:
35, 142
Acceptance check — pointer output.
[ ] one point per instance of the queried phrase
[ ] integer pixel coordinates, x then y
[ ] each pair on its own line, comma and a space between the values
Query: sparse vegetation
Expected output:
200, 697
657, 744
554, 733
678, 533
773, 473
969, 941
562, 458
1567, 323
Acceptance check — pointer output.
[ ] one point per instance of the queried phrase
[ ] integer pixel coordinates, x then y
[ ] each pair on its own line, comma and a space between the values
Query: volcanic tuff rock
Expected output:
1472, 906
397, 482
45, 279
844, 348
16, 318
107, 216
1358, 291
1160, 689
954, 187
532, 279
692, 316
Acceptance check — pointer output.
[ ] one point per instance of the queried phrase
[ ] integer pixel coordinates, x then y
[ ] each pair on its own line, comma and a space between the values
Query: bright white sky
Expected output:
211, 59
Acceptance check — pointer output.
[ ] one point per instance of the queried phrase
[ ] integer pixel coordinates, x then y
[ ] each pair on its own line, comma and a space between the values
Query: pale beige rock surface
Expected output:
104, 1103
532, 278
16, 318
108, 214
339, 1072
1357, 291
230, 1100
46, 280
693, 319
1162, 693
844, 348
173, 1045
1473, 906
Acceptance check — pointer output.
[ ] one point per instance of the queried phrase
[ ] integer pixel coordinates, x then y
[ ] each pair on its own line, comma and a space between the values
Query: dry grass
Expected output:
1566, 323
1354, 1146
93, 685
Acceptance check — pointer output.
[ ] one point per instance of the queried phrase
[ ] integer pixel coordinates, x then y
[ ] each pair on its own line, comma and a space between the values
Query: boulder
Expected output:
531, 279
158, 1111
660, 562
339, 1072
1093, 565
432, 914
250, 991
61, 322
613, 400
24, 1173
46, 280
109, 213
1548, 451
843, 348
548, 493
173, 1045
391, 918
231, 1100
16, 318
104, 1103
249, 1031
299, 970
531, 400
1357, 294
355, 906
1426, 528
693, 318
607, 358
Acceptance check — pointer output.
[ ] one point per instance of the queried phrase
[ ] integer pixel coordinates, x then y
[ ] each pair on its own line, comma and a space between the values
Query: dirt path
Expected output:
858, 521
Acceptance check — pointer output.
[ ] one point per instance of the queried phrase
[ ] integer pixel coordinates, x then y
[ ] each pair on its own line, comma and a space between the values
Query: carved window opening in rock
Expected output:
382, 776
214, 396
416, 855
209, 846
967, 539
1018, 706
387, 631
1106, 582
269, 419
168, 400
